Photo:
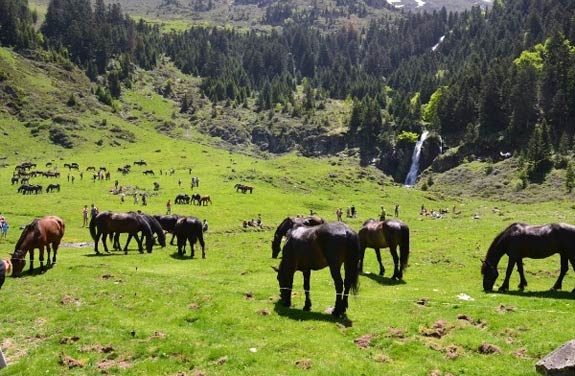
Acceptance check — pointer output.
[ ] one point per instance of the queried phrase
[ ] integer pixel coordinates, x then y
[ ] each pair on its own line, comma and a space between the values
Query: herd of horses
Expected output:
311, 244
194, 199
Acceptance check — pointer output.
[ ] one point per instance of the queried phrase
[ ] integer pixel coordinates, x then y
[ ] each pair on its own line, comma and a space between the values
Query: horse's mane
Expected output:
494, 247
30, 227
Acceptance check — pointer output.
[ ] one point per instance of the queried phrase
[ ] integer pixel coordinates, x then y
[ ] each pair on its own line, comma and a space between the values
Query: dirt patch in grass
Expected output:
249, 295
439, 329
396, 332
158, 335
521, 353
221, 361
303, 363
70, 300
453, 352
70, 362
69, 340
505, 309
107, 364
264, 312
194, 306
105, 349
382, 358
487, 349
364, 341
422, 302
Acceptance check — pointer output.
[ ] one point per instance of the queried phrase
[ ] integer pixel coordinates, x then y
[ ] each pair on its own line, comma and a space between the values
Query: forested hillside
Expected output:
486, 83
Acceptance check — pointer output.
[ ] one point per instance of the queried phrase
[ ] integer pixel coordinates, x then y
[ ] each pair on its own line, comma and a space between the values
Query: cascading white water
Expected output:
414, 169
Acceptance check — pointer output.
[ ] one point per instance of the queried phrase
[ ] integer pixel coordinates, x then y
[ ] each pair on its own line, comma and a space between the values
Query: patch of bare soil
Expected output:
487, 348
69, 300
422, 301
106, 364
264, 312
194, 306
364, 341
303, 363
105, 349
382, 358
249, 295
453, 352
158, 335
69, 340
438, 330
521, 353
505, 309
221, 361
70, 362
396, 332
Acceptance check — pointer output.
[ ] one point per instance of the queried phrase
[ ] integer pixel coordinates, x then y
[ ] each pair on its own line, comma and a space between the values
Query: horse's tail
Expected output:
352, 262
404, 248
93, 227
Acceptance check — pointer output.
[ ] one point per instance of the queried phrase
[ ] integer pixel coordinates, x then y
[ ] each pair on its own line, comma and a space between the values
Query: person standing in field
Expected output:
382, 214
396, 211
5, 227
338, 213
94, 211
85, 216
169, 207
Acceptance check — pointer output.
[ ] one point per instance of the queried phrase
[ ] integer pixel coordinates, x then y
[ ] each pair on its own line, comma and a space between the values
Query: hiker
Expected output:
94, 211
5, 227
144, 200
85, 216
382, 214
169, 207
396, 211
352, 211
338, 213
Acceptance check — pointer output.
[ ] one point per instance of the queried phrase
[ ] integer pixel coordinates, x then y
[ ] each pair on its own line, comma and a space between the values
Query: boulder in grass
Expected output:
560, 362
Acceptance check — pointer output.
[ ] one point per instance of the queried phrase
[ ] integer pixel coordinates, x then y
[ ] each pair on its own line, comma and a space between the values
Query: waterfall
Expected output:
414, 169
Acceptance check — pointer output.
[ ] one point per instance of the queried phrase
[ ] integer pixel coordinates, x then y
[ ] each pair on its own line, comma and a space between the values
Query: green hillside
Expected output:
157, 314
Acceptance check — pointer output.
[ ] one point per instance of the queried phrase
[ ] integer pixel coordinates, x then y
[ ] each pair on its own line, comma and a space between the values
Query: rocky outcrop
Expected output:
560, 362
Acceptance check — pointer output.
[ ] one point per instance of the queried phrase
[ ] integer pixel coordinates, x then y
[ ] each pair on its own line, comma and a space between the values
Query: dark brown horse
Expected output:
314, 248
106, 223
154, 226
288, 224
386, 234
189, 229
520, 241
168, 223
43, 232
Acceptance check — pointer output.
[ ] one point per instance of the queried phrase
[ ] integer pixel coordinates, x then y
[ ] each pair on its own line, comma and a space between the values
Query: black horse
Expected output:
314, 248
288, 224
383, 234
168, 223
53, 187
189, 229
154, 226
106, 223
520, 240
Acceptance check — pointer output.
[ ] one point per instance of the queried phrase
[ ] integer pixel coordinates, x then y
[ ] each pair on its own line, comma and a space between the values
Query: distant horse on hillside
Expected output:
386, 234
205, 200
52, 187
314, 248
289, 223
43, 232
520, 241
243, 188
189, 229
106, 223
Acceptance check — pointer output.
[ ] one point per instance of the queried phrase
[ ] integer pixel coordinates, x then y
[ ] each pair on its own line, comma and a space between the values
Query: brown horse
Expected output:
189, 229
383, 234
288, 224
520, 240
106, 223
42, 232
314, 248
205, 200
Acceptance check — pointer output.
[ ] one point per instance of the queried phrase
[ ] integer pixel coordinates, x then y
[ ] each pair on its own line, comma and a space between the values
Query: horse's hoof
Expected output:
503, 289
307, 308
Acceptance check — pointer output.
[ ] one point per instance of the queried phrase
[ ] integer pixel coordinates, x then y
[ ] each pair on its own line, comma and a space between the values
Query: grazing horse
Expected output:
520, 240
314, 248
148, 172
182, 199
52, 187
205, 200
154, 226
168, 223
42, 232
196, 198
141, 162
288, 224
383, 234
189, 229
243, 188
106, 223
14, 180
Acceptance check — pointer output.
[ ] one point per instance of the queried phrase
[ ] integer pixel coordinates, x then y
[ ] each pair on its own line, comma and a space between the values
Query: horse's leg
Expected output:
361, 256
510, 265
191, 241
306, 287
572, 260
104, 236
564, 267
397, 274
172, 241
55, 247
522, 280
32, 260
338, 310
96, 241
41, 258
381, 268
49, 251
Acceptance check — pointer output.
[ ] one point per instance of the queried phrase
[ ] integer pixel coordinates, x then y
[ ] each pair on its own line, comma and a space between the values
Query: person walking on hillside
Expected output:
382, 214
4, 225
396, 211
85, 216
94, 211
169, 207
338, 213
353, 212
144, 199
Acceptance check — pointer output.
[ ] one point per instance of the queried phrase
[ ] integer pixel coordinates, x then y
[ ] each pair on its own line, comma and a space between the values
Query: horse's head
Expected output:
18, 261
490, 274
285, 283
282, 230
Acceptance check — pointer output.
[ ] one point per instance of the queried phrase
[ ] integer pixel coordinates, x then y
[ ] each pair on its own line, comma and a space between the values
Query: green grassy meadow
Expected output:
156, 314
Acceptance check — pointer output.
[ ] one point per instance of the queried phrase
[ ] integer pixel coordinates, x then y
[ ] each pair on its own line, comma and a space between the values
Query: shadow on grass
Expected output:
177, 256
37, 271
301, 315
383, 280
549, 294
104, 254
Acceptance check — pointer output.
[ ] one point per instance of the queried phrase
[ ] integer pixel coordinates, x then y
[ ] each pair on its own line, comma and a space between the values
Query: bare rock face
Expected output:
560, 362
